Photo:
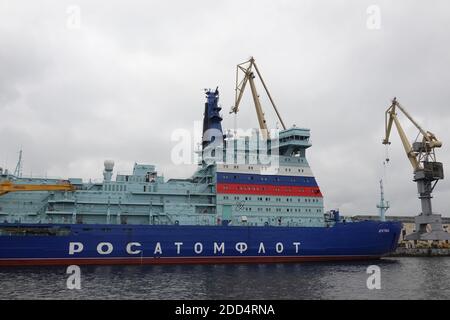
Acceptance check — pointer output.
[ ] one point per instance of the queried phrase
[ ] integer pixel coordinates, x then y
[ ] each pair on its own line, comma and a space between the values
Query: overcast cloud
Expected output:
118, 86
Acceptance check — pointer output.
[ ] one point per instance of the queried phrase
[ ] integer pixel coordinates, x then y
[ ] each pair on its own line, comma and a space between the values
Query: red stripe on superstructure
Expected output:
179, 260
264, 189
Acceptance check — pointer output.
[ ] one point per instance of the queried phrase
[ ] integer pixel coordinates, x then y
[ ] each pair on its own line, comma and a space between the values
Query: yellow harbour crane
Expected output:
427, 172
248, 68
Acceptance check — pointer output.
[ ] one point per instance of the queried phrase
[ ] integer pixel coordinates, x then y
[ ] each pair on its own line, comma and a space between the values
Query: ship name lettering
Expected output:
218, 248
75, 247
198, 247
178, 244
261, 249
130, 249
158, 249
279, 247
134, 248
241, 247
102, 245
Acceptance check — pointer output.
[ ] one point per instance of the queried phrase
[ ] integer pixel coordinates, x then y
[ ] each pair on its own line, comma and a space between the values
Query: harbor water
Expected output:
400, 278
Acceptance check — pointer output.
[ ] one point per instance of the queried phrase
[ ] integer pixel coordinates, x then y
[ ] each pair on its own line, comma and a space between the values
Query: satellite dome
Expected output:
109, 165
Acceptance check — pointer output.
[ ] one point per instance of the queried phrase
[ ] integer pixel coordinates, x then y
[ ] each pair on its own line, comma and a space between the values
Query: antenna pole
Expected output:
18, 170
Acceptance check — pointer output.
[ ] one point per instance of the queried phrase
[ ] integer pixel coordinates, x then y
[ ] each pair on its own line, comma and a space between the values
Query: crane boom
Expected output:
8, 186
391, 117
259, 112
427, 145
249, 76
270, 97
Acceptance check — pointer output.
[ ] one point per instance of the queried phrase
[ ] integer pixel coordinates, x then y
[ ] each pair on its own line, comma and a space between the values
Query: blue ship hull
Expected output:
65, 244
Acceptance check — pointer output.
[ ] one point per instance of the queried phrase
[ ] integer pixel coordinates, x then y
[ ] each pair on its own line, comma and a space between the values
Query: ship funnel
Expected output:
108, 171
212, 127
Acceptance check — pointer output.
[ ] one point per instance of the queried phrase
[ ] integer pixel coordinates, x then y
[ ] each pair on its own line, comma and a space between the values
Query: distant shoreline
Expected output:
420, 252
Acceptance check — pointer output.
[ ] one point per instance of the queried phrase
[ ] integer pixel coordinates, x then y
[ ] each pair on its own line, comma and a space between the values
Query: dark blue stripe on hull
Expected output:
275, 180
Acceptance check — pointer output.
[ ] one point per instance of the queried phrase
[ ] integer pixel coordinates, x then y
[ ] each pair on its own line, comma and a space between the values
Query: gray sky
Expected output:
134, 71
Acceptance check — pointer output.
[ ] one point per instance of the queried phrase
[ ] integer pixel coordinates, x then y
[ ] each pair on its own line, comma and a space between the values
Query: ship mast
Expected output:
383, 205
18, 170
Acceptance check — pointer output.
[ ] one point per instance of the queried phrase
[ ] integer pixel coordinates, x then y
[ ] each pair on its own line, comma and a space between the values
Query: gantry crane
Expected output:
8, 186
249, 76
427, 172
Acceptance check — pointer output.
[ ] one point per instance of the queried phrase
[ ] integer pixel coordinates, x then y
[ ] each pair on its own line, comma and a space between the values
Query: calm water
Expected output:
401, 278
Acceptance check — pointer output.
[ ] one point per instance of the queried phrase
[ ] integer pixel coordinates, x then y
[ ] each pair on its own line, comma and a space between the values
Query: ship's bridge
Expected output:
143, 169
294, 142
141, 173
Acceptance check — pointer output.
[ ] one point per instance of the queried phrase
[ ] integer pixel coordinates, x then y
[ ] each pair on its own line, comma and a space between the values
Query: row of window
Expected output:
294, 137
269, 199
268, 188
284, 209
115, 187
226, 166
294, 158
265, 178
133, 178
